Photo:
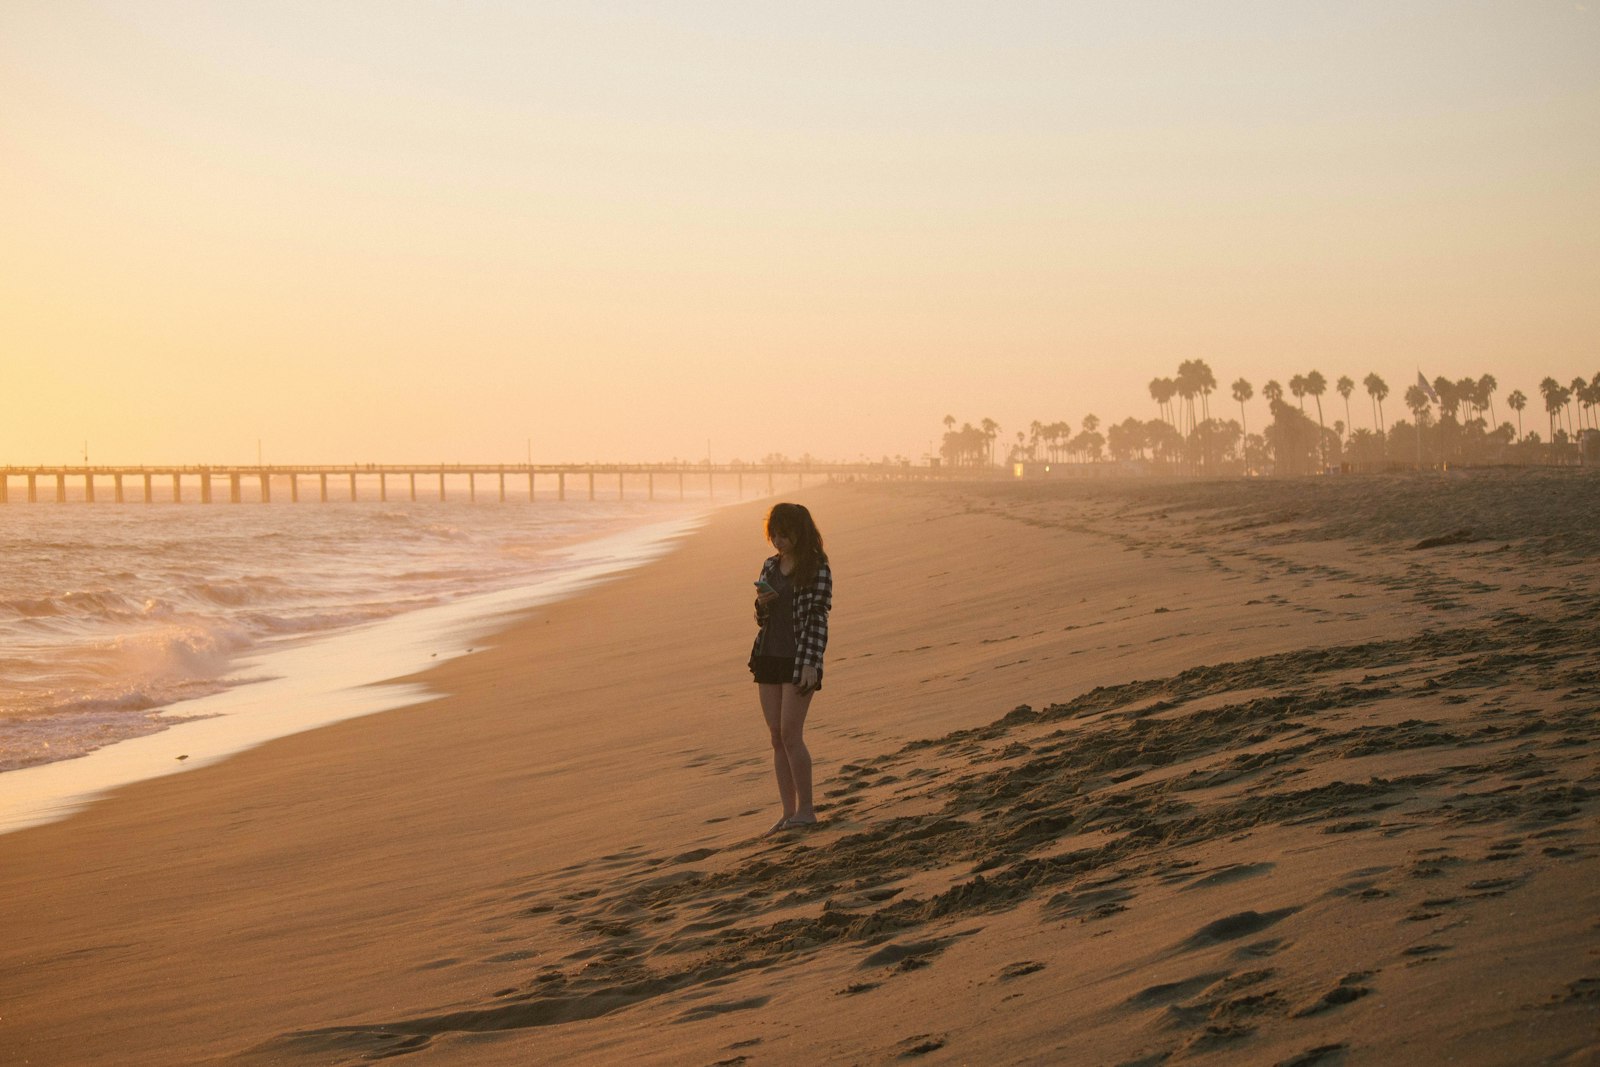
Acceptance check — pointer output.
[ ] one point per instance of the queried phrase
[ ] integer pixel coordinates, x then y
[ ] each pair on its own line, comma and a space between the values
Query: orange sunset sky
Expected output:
400, 231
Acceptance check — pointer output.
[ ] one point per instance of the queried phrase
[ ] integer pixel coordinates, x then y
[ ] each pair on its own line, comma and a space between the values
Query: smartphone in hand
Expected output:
763, 587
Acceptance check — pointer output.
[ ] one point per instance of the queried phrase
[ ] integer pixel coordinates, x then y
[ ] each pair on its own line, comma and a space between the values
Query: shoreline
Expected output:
1274, 793
319, 680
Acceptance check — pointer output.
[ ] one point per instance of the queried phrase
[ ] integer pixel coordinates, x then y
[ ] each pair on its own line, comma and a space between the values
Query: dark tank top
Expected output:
779, 637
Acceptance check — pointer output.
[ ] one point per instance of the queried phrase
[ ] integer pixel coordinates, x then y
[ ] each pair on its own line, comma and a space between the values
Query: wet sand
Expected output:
1109, 773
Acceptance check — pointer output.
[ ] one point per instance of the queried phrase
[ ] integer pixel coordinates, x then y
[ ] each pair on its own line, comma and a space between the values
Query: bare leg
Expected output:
792, 725
772, 711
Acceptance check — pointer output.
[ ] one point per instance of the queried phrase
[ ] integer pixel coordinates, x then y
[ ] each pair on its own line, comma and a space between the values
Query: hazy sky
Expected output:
398, 231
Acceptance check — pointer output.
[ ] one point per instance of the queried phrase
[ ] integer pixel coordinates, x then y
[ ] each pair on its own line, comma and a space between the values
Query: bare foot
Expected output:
781, 824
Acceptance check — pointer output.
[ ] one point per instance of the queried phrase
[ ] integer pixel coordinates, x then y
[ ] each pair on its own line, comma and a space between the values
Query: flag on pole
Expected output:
1426, 388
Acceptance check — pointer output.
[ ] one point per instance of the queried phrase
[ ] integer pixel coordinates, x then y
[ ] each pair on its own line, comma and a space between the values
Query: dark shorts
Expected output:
773, 670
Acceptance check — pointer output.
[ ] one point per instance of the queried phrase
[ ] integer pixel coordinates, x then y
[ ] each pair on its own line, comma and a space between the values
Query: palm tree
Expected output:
1164, 440
1449, 396
1297, 386
1551, 390
990, 430
1126, 439
1467, 390
1272, 391
1449, 401
1518, 400
1568, 406
949, 422
1346, 386
1242, 392
1316, 385
1580, 389
1188, 384
1377, 389
1204, 382
1161, 390
1052, 436
1486, 388
1417, 401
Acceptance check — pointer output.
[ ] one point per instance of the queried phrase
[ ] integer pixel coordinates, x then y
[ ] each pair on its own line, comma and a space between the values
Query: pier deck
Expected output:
382, 482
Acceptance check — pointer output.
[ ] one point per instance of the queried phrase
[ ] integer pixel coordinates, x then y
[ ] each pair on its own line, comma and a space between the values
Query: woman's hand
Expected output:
808, 680
766, 598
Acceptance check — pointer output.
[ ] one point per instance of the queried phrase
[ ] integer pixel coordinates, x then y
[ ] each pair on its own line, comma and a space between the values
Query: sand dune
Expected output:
1112, 774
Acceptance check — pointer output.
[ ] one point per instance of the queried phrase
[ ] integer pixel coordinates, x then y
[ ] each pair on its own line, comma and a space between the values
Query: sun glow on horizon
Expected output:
404, 233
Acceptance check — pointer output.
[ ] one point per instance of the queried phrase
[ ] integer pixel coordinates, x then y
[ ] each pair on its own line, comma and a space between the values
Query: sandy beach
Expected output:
1299, 772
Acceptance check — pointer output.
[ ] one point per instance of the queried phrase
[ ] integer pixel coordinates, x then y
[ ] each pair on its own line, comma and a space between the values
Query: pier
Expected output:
499, 482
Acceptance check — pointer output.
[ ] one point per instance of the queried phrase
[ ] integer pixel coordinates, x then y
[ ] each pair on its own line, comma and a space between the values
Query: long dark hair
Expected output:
795, 523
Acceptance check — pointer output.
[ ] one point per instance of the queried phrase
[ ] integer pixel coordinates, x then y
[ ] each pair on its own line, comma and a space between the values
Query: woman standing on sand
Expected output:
793, 597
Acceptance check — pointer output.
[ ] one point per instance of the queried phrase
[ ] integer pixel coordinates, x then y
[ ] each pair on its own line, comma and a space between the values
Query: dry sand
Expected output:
1110, 773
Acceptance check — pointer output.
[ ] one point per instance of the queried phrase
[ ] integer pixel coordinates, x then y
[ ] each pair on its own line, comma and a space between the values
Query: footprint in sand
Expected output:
1166, 992
1347, 991
710, 1011
1233, 927
920, 1045
1320, 1056
1421, 954
857, 987
913, 955
1226, 875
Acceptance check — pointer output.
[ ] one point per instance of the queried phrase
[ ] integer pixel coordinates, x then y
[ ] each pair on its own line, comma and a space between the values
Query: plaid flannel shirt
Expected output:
811, 607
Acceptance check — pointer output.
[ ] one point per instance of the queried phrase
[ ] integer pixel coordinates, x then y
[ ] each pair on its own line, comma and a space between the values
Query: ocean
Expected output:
119, 622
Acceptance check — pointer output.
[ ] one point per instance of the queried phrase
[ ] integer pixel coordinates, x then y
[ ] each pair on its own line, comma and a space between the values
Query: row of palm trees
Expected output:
1466, 427
1462, 407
